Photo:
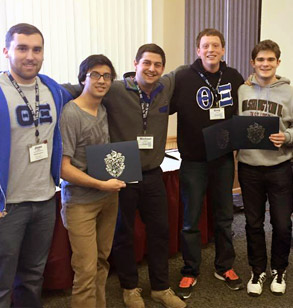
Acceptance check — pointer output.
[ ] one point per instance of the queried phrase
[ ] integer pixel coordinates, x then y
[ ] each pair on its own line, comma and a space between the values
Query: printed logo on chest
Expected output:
25, 118
261, 107
205, 97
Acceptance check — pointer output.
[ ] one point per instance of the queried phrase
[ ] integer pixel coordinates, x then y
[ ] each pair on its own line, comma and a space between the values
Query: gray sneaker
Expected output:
168, 298
132, 298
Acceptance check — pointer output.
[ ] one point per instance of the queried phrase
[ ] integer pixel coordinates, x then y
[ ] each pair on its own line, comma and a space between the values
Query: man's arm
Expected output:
70, 130
169, 80
285, 137
66, 95
74, 89
75, 176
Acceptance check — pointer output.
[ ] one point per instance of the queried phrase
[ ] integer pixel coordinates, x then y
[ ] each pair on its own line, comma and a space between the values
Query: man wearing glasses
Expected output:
89, 205
138, 109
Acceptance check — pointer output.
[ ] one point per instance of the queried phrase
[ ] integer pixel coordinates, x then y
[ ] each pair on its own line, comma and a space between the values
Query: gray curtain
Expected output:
238, 20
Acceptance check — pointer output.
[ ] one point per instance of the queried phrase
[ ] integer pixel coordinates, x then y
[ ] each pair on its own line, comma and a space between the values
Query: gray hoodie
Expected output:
275, 99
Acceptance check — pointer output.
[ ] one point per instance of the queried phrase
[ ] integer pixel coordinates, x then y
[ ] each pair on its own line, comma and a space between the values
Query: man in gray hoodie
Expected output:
265, 174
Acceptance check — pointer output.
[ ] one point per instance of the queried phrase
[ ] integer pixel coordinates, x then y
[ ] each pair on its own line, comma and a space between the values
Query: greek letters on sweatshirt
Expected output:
193, 99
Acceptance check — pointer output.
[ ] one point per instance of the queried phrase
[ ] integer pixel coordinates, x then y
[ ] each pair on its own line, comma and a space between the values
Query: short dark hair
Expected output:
21, 28
266, 45
210, 32
92, 61
150, 48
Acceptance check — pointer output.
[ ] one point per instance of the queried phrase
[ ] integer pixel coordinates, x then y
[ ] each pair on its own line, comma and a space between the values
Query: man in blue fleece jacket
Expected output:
30, 157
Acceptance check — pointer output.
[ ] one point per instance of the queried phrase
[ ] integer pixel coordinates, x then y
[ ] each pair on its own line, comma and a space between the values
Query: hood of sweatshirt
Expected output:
198, 67
280, 81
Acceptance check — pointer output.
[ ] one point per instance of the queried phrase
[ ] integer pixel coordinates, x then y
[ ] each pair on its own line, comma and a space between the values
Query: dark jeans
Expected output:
275, 184
25, 238
195, 178
149, 197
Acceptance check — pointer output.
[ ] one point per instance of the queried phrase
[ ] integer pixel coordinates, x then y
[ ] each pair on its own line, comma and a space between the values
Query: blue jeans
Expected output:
195, 179
259, 183
25, 238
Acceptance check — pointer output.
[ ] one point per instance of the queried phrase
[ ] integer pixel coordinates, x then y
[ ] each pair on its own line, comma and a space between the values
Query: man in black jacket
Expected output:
205, 94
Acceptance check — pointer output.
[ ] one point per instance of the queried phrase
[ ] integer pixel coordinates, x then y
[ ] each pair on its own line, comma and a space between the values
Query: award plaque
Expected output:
240, 132
218, 139
253, 132
119, 160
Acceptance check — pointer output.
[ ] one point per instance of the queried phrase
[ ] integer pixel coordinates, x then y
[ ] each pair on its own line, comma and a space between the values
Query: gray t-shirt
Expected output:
29, 181
80, 129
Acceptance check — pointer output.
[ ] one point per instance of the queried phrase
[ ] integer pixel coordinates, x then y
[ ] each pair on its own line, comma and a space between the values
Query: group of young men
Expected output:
40, 138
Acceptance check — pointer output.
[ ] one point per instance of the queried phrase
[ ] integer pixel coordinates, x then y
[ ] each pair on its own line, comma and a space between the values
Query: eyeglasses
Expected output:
95, 75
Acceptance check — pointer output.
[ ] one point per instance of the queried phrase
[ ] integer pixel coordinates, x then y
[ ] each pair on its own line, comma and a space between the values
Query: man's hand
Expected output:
75, 176
248, 81
112, 185
277, 139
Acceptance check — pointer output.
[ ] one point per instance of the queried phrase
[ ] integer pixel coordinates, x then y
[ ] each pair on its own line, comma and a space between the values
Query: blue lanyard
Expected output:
214, 90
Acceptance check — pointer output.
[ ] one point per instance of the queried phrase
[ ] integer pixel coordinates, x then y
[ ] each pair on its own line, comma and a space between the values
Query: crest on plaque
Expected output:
255, 133
222, 138
115, 163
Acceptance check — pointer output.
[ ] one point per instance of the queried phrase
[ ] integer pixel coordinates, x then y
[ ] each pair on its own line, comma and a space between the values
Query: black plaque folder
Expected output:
253, 132
119, 160
240, 132
218, 139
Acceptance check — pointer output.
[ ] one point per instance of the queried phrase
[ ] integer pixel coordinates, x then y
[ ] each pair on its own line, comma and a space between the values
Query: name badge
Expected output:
38, 151
217, 113
145, 142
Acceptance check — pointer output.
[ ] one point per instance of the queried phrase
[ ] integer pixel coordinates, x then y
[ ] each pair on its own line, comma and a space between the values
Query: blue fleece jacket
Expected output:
61, 97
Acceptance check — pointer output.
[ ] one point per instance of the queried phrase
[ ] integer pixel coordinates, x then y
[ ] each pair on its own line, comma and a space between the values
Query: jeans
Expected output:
195, 179
149, 197
26, 234
259, 183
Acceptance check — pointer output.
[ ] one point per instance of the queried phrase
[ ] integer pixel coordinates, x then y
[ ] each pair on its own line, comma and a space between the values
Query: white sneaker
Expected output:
255, 284
278, 285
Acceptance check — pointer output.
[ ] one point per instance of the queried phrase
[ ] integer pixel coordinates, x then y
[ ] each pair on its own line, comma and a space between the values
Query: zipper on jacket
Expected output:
3, 213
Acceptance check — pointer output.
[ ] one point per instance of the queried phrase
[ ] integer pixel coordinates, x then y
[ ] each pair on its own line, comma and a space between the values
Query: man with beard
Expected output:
30, 160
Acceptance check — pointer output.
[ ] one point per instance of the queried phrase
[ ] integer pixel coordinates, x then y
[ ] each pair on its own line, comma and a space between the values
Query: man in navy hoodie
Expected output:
205, 94
30, 157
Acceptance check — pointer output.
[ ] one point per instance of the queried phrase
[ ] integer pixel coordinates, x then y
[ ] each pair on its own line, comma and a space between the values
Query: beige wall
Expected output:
277, 25
168, 32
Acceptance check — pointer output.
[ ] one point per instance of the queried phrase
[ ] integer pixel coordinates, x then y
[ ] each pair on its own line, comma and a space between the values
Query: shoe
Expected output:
255, 284
278, 285
185, 287
233, 281
132, 298
168, 298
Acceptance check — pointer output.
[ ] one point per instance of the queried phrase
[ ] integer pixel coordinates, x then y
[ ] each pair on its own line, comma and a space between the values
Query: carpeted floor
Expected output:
209, 292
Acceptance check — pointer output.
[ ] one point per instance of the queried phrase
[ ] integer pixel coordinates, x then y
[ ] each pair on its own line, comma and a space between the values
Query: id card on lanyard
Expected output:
145, 142
216, 113
39, 150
